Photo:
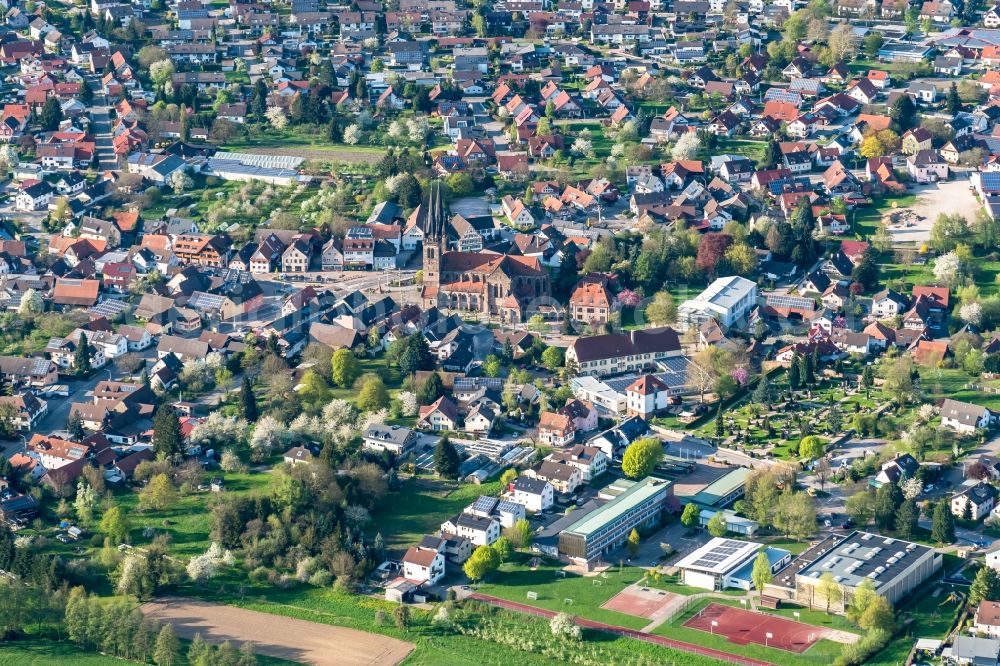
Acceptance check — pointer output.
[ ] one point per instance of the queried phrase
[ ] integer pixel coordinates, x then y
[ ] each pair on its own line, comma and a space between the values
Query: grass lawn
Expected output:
516, 579
41, 652
188, 521
421, 505
866, 220
749, 148
435, 646
823, 652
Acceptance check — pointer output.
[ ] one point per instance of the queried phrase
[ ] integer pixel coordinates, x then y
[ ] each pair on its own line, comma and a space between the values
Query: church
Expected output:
501, 285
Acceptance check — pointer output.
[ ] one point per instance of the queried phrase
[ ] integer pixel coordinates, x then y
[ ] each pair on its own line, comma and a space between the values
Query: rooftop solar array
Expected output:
263, 161
110, 308
793, 302
720, 555
484, 504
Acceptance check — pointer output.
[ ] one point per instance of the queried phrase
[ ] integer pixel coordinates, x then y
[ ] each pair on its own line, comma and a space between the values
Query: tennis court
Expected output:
742, 627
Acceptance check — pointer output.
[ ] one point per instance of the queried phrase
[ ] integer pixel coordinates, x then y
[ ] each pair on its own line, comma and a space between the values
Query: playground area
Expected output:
742, 627
646, 602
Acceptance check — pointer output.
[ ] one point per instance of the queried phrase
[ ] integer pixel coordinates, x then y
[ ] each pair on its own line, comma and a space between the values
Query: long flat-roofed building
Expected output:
608, 527
895, 567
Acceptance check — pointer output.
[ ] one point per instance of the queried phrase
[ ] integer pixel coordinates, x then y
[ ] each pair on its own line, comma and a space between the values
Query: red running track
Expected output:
622, 631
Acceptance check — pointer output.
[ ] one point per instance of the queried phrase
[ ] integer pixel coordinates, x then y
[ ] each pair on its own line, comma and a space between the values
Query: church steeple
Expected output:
435, 235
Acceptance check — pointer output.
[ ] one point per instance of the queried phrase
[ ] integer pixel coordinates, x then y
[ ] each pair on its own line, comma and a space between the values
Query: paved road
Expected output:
690, 648
101, 127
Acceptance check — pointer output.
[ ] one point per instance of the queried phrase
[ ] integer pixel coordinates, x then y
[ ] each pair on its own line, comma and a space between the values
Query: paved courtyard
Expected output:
953, 196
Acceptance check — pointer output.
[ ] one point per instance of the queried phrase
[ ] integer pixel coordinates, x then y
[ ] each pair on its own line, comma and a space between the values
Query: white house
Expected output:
424, 565
480, 530
533, 494
964, 417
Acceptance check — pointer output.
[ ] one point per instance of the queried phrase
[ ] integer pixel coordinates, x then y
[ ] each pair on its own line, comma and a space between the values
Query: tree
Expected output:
760, 575
794, 378
772, 155
159, 493
898, 380
503, 548
985, 587
864, 593
344, 369
167, 433
842, 42
483, 561
373, 395
878, 615
888, 498
906, 519
633, 543
795, 515
687, 147
954, 103
948, 269
81, 357
508, 477
949, 231
401, 616
520, 533
641, 457
662, 310
866, 272
446, 459
553, 358
115, 523
248, 401
161, 71
75, 425
830, 590
861, 507
563, 625
431, 389
717, 525
167, 651
711, 249
903, 114
31, 303
741, 258
812, 447
691, 517
943, 524
51, 114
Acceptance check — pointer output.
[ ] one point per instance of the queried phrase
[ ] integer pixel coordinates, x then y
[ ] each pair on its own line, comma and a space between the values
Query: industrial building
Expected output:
727, 300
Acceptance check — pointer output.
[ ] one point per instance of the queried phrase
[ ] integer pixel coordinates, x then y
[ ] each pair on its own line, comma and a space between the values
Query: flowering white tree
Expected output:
230, 461
926, 412
392, 183
268, 435
352, 134
396, 129
337, 413
180, 181
277, 117
408, 405
219, 429
564, 625
947, 269
417, 128
205, 566
912, 488
687, 147
31, 303
584, 147
971, 313
8, 158
304, 428
161, 71
372, 418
